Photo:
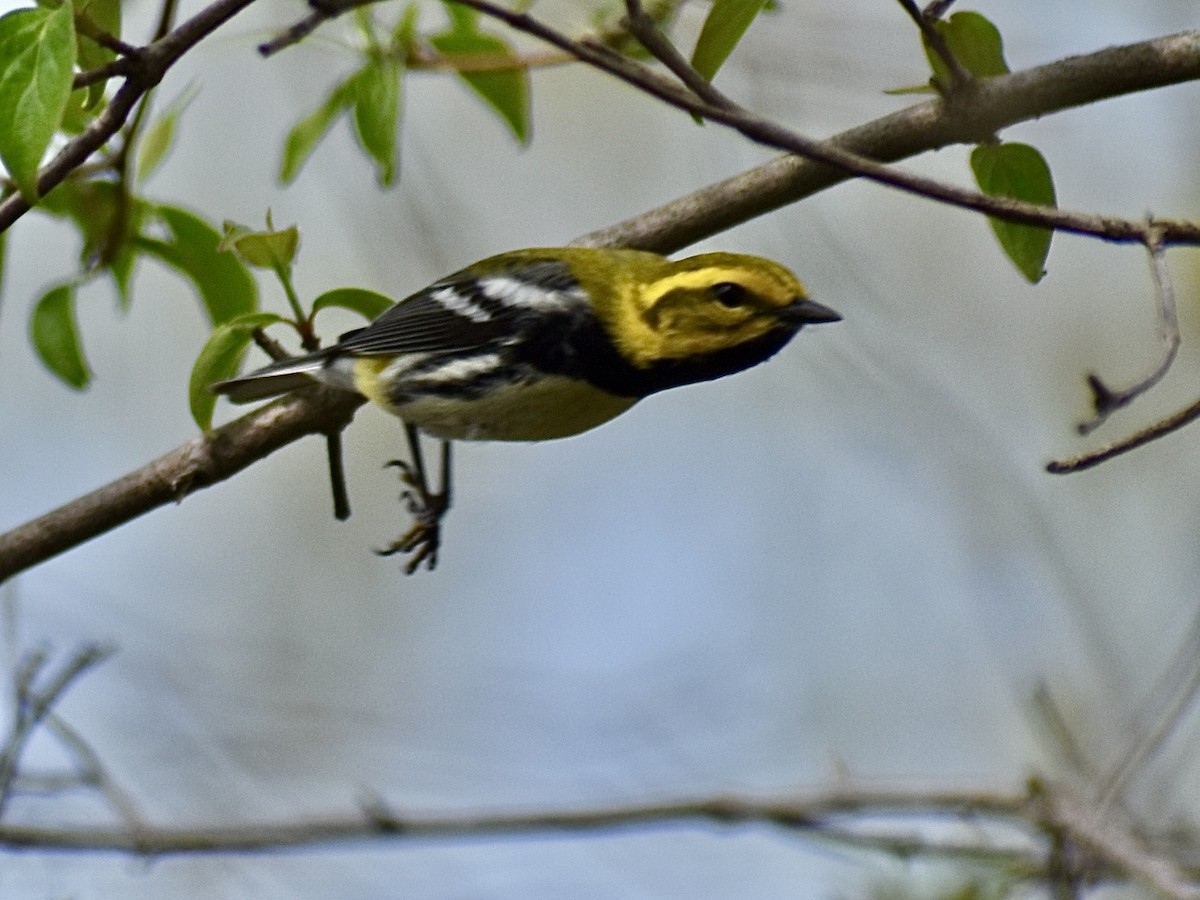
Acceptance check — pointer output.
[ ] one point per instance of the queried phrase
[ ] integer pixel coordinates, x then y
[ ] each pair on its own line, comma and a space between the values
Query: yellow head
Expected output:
707, 307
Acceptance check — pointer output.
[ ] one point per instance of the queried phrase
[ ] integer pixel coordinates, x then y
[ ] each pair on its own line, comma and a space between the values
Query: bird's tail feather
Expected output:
277, 378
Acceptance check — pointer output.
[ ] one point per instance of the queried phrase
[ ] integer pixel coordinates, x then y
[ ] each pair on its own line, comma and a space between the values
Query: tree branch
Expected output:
198, 463
33, 704
1106, 400
981, 108
1069, 464
1109, 851
1114, 847
816, 814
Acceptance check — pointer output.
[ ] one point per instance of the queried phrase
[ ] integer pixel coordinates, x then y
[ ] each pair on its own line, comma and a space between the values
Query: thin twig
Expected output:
1069, 464
92, 772
937, 9
323, 11
86, 27
821, 815
1181, 681
34, 704
1111, 852
1106, 400
1112, 845
643, 27
1049, 714
121, 67
927, 22
985, 103
294, 34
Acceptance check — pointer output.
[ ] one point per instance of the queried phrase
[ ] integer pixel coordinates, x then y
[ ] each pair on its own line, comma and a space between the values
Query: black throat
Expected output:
578, 347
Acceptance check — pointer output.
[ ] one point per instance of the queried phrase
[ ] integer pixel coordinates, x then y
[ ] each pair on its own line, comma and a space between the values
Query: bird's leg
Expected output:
337, 476
427, 507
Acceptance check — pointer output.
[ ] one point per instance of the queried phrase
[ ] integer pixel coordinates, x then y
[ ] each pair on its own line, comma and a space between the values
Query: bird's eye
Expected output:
730, 294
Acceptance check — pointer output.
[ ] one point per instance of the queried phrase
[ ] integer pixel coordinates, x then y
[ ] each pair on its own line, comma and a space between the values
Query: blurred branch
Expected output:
847, 817
376, 820
1179, 684
1114, 848
32, 704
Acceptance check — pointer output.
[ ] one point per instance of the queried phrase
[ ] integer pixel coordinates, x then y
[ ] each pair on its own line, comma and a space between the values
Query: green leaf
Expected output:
160, 136
219, 359
377, 113
107, 221
1020, 172
727, 21
225, 286
78, 115
55, 335
404, 35
506, 87
105, 15
975, 43
302, 140
271, 249
366, 303
37, 60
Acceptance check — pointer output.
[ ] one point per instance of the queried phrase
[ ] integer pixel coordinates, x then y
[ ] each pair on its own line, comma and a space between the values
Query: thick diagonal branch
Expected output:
198, 463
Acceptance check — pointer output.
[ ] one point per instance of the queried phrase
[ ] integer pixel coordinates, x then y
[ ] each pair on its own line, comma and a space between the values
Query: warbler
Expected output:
538, 344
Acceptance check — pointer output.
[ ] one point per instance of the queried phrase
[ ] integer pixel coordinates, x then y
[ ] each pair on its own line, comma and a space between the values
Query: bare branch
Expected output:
198, 463
1180, 684
295, 33
937, 9
85, 26
815, 814
1107, 851
1113, 846
649, 35
33, 704
993, 103
1107, 401
1092, 458
323, 11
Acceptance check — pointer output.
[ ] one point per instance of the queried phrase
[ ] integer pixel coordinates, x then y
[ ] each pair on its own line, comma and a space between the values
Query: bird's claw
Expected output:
424, 538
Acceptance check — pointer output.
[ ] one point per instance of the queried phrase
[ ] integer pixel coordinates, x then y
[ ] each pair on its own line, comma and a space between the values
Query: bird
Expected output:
545, 343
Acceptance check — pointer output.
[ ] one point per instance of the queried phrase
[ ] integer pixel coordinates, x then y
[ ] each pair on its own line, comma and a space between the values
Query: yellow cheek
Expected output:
684, 336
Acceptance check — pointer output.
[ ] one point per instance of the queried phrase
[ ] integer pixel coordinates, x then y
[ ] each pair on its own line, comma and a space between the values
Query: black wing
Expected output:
455, 314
